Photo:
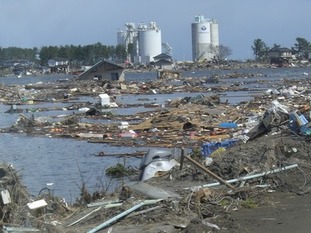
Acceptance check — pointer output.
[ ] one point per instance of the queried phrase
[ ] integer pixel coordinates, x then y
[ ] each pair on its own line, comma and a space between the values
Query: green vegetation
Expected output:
260, 49
83, 55
14, 53
119, 170
79, 55
249, 203
301, 49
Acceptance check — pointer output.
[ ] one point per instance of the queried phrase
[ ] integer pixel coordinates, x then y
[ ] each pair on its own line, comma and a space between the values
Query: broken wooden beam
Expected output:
212, 174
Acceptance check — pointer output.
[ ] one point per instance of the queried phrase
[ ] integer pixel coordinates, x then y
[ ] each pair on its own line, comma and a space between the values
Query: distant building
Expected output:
163, 56
15, 63
163, 61
58, 65
104, 70
280, 56
144, 39
205, 39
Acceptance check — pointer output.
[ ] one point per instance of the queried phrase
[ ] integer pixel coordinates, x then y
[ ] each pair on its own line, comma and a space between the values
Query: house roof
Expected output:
282, 50
58, 59
112, 66
163, 62
162, 56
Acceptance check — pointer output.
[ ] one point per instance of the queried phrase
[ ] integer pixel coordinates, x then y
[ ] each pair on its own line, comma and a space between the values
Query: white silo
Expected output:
205, 39
121, 35
149, 42
214, 33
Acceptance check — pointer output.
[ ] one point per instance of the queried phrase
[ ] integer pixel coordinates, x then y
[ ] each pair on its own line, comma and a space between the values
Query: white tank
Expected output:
214, 33
150, 44
205, 39
121, 36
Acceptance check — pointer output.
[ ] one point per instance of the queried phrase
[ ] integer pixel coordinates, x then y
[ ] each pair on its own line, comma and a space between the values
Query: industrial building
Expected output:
145, 41
205, 39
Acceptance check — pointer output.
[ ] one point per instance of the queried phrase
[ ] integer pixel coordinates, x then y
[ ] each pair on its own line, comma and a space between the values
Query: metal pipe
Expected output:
85, 216
117, 217
248, 177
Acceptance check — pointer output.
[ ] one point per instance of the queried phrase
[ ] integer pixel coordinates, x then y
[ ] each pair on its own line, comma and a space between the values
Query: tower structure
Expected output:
205, 39
146, 40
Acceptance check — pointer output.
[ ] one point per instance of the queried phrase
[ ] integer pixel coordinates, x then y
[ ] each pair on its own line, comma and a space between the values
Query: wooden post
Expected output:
212, 174
182, 158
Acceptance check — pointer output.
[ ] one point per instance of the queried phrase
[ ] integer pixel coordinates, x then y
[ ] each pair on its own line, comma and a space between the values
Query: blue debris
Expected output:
210, 147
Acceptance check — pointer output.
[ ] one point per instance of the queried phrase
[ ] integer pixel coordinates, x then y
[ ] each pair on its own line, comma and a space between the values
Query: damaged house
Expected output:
163, 61
58, 65
104, 70
280, 56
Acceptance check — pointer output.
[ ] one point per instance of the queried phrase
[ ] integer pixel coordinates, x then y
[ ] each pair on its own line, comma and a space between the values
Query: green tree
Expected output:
131, 51
276, 46
14, 53
121, 53
260, 49
302, 48
47, 53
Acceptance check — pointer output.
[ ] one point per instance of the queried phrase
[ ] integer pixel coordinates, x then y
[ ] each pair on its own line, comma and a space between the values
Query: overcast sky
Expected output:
36, 23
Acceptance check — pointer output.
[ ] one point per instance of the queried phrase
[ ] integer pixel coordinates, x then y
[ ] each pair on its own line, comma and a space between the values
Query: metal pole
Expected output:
117, 217
250, 176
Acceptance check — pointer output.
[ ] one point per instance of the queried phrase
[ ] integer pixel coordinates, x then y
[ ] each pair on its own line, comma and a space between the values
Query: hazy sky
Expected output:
36, 23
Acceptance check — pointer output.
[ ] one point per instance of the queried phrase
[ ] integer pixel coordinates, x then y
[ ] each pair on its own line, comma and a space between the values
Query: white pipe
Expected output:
117, 217
246, 177
80, 219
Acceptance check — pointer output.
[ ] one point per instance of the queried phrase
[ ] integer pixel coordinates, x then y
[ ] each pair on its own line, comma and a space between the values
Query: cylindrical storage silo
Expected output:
201, 40
150, 44
205, 39
214, 33
214, 39
121, 36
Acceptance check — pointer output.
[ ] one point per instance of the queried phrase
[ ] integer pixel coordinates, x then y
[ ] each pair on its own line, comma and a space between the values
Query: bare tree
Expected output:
224, 52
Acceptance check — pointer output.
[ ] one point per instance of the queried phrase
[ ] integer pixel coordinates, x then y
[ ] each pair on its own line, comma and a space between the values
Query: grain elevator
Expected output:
145, 39
205, 39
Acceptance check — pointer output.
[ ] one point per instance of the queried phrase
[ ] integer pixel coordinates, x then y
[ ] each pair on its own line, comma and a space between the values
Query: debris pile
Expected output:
231, 157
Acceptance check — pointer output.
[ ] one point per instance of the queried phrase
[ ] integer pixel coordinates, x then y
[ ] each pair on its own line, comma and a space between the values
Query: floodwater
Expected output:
64, 164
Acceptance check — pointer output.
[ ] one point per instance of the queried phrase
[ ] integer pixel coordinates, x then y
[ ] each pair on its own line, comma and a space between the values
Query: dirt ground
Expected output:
286, 212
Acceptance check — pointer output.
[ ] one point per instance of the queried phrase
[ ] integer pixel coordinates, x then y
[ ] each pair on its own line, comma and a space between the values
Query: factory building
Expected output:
144, 41
205, 39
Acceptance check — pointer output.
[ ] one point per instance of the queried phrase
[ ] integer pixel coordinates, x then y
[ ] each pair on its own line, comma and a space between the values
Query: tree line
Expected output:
300, 49
90, 54
79, 55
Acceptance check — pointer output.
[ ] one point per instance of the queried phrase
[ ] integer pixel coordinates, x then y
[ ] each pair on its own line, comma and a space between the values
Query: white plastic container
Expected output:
104, 100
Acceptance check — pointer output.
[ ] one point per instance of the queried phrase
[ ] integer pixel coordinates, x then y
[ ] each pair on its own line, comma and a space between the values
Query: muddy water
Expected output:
64, 162
67, 163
